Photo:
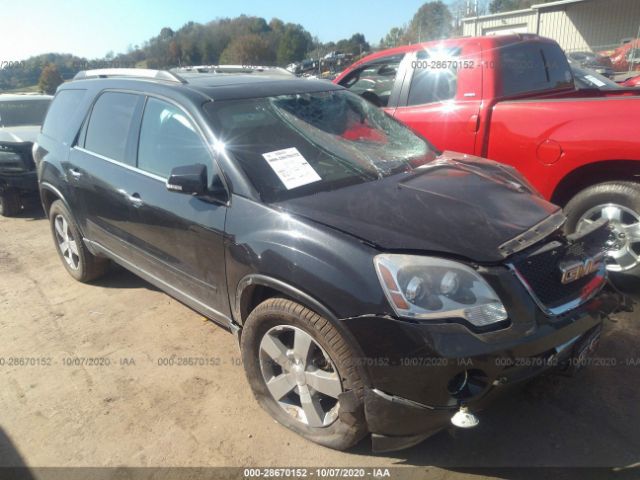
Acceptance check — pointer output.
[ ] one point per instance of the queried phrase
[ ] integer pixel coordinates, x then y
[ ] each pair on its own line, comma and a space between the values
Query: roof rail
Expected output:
130, 72
228, 69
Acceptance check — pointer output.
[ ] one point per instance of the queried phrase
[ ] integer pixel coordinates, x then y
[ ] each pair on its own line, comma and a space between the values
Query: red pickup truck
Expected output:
513, 99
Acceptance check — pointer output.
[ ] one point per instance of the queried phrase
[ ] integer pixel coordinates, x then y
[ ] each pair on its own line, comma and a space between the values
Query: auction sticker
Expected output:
291, 167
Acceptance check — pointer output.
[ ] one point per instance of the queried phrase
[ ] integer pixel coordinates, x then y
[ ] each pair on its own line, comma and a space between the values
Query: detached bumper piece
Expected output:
404, 423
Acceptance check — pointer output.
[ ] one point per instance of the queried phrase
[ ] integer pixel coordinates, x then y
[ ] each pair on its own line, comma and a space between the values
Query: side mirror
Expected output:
191, 179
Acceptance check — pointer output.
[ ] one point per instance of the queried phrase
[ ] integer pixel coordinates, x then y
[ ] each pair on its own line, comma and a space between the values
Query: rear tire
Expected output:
620, 202
10, 204
76, 258
279, 316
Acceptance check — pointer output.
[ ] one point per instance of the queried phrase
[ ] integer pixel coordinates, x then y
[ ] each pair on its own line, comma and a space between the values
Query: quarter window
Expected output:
111, 124
168, 139
64, 105
435, 76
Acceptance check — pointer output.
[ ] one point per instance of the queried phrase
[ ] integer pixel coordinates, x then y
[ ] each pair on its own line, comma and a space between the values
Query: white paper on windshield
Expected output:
291, 167
595, 80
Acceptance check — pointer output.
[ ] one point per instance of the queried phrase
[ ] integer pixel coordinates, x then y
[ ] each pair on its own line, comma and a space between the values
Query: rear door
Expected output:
441, 96
100, 168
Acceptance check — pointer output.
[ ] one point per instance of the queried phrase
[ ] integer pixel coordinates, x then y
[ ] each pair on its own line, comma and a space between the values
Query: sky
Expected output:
91, 28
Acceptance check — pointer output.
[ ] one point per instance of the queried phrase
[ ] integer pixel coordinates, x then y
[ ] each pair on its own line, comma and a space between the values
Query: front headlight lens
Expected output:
432, 288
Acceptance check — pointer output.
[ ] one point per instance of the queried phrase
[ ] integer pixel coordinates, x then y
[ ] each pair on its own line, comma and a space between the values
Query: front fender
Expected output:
324, 269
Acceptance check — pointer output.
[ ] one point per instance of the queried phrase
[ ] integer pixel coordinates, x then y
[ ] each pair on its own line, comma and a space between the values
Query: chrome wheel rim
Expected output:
623, 246
300, 376
67, 244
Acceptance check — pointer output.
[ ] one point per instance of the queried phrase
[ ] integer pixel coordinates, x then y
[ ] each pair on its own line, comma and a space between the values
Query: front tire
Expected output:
620, 203
297, 364
76, 258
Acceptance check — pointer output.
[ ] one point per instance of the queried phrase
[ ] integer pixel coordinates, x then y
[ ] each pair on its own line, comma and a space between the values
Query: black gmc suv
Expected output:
375, 285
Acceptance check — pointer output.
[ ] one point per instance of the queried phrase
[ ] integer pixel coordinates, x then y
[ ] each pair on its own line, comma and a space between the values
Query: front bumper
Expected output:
419, 374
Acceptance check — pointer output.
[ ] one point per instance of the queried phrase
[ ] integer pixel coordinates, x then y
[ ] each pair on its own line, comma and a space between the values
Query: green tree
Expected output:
354, 45
393, 38
248, 49
432, 21
293, 44
50, 79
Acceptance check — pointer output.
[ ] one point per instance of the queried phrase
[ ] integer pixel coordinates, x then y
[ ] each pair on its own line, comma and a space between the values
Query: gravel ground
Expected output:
125, 408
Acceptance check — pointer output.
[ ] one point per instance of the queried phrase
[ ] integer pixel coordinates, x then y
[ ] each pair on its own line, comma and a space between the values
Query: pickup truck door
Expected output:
441, 97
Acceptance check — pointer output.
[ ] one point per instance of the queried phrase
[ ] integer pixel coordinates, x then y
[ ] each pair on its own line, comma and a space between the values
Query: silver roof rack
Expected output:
231, 69
130, 72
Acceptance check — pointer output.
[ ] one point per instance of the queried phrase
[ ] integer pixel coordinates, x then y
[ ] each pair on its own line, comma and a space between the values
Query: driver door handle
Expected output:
134, 198
75, 173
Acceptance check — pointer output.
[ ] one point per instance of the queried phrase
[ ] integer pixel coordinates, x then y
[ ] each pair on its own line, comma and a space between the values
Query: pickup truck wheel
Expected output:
297, 364
10, 204
620, 203
76, 258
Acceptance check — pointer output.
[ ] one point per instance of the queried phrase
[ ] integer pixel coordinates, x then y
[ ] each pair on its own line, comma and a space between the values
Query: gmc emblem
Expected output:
572, 272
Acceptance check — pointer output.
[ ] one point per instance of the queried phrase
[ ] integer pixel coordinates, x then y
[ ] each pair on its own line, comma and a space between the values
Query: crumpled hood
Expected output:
457, 205
28, 133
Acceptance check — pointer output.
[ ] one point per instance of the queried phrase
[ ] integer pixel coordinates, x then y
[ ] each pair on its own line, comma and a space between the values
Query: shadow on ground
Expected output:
119, 277
12, 465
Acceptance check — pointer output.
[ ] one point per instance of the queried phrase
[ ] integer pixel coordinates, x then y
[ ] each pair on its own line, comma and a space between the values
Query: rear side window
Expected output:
111, 124
64, 105
532, 67
435, 77
168, 139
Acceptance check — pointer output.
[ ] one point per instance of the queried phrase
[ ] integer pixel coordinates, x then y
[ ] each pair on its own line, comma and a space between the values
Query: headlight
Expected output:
432, 288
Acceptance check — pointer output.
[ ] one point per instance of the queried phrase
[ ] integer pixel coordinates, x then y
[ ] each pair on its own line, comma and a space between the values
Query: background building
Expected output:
577, 25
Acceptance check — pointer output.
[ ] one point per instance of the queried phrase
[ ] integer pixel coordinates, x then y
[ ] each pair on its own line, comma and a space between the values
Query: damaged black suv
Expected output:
376, 285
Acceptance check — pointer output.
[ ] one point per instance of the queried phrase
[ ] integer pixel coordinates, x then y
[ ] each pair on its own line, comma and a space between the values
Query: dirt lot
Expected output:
134, 411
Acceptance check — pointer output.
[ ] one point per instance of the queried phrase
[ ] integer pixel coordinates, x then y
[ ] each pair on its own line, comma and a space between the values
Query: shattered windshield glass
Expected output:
295, 145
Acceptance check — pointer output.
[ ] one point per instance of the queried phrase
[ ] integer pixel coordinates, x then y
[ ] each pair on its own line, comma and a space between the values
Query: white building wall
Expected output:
591, 24
501, 23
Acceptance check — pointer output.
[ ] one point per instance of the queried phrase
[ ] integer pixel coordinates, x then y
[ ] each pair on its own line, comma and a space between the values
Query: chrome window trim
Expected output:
202, 132
122, 164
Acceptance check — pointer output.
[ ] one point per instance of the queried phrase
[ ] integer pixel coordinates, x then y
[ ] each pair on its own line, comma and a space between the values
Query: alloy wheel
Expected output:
300, 375
624, 242
66, 242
